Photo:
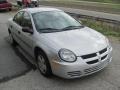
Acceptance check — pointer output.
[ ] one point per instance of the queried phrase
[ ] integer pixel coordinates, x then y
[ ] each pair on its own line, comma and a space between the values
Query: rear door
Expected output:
16, 26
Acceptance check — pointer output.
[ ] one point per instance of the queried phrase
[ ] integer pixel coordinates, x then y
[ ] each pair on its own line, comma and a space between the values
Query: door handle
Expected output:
18, 32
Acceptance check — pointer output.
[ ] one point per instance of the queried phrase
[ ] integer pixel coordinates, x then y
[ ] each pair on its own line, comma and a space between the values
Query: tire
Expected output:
43, 64
36, 5
10, 9
11, 39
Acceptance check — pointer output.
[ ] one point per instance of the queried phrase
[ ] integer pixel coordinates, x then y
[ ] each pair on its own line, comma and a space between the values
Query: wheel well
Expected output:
9, 30
37, 49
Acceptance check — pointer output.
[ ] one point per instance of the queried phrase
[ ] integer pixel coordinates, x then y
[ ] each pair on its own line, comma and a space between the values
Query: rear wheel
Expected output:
43, 64
11, 39
10, 9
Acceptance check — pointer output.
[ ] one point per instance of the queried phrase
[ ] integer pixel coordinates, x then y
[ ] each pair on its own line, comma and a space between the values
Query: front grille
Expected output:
95, 68
75, 73
94, 58
90, 70
91, 62
89, 55
103, 51
102, 58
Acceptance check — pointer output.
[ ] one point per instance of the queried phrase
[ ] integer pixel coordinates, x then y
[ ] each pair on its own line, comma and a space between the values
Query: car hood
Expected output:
80, 41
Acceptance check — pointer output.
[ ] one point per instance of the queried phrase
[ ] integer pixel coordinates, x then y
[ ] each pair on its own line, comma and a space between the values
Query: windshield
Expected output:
54, 21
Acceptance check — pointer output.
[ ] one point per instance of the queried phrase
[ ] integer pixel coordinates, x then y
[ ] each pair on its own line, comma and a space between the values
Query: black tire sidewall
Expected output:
48, 67
13, 43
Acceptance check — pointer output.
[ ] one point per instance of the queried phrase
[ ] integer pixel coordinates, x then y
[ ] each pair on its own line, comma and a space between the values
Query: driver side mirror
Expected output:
27, 30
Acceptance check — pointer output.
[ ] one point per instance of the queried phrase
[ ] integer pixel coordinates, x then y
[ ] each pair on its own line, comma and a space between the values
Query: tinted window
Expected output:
18, 18
26, 20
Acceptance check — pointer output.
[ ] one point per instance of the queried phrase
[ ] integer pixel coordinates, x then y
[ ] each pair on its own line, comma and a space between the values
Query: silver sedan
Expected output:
58, 43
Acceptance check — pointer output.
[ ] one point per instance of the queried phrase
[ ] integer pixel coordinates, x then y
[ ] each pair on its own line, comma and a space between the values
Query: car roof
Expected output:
40, 9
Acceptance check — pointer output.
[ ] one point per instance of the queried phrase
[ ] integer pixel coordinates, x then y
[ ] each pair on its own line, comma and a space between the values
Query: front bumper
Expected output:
79, 68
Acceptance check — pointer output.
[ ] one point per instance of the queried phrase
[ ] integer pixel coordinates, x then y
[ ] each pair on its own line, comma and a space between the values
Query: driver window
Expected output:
26, 20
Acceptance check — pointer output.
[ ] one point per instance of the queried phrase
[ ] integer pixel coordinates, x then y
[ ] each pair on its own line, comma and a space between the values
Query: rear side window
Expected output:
18, 18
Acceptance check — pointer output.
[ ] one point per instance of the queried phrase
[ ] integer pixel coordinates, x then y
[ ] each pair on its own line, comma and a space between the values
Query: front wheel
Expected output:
43, 65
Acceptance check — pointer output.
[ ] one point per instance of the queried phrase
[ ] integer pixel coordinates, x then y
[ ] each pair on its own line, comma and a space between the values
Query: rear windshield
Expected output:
3, 1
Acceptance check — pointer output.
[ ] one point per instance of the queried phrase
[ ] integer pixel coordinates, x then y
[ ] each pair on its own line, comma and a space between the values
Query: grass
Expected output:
103, 1
103, 27
110, 8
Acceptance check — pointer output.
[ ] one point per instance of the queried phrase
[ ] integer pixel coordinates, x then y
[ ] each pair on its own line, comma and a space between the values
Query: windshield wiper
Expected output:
73, 27
48, 30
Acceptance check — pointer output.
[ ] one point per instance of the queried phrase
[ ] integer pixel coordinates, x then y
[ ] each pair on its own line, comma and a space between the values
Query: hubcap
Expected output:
42, 64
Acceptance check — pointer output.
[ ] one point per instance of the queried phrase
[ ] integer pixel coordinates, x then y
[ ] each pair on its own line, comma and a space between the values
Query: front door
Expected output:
26, 38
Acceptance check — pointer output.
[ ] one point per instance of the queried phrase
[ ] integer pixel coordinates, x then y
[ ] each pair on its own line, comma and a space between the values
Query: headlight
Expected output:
67, 55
